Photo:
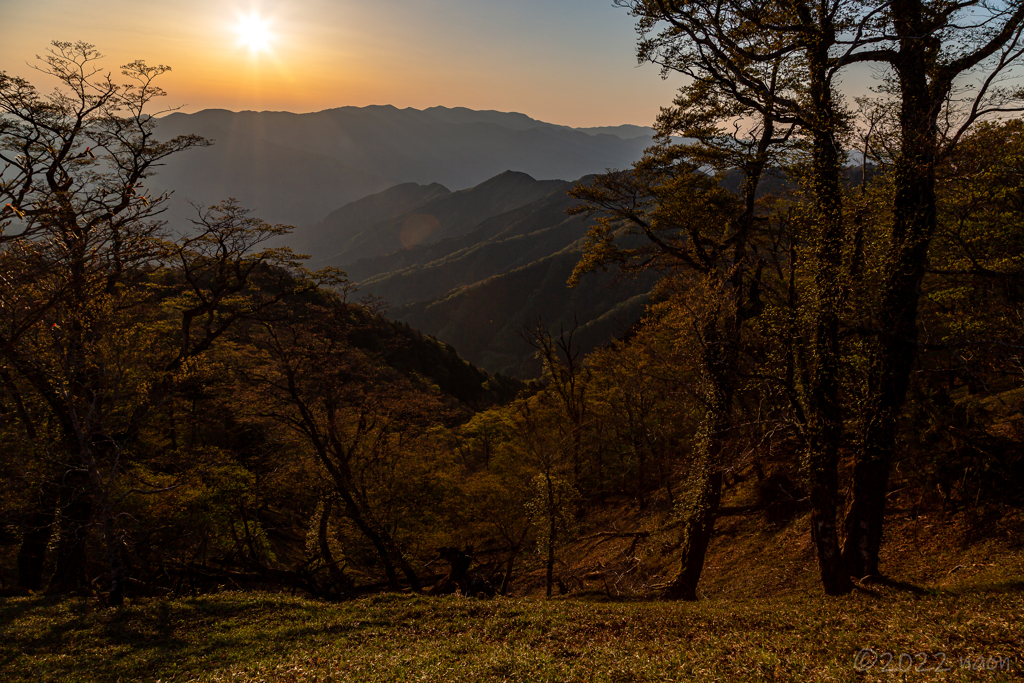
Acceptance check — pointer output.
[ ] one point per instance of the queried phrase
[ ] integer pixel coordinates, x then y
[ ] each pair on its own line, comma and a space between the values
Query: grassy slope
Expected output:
763, 617
260, 637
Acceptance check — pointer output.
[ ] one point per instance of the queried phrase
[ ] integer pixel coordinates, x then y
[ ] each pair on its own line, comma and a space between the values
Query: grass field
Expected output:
970, 634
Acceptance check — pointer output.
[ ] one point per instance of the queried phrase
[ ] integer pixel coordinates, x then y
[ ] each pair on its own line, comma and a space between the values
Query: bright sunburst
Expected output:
254, 32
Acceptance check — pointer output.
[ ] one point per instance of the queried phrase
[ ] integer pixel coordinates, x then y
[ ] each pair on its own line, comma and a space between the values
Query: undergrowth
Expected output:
973, 633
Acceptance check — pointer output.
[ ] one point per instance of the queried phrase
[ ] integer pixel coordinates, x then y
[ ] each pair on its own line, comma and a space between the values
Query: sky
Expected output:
570, 62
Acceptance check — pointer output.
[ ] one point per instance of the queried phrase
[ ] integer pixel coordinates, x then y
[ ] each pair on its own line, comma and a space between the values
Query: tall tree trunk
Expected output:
893, 351
75, 514
35, 539
705, 486
697, 532
824, 413
721, 351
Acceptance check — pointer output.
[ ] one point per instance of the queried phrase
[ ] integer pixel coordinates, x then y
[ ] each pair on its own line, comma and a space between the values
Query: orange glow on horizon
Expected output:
311, 55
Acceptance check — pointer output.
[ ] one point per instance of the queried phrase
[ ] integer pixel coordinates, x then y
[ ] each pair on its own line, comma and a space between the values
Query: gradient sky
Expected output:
570, 62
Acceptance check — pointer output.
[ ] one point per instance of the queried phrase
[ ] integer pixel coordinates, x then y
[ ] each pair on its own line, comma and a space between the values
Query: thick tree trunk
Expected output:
69, 572
892, 363
864, 520
893, 351
720, 343
824, 528
893, 354
35, 539
824, 413
697, 535
705, 480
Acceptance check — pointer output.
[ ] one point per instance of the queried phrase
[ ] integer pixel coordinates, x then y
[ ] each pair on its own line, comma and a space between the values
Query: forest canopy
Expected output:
185, 412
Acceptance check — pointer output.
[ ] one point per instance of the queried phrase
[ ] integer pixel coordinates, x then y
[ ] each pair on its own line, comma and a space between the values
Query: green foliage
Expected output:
249, 637
552, 509
131, 361
206, 412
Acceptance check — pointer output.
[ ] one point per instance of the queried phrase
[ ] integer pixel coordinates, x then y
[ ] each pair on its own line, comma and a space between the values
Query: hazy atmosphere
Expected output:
570, 62
441, 341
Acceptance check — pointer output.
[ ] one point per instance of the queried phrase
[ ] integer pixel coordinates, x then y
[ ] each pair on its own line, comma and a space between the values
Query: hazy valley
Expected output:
432, 222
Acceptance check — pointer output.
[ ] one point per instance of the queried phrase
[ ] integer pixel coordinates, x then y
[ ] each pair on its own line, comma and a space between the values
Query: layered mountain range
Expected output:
419, 209
476, 267
296, 168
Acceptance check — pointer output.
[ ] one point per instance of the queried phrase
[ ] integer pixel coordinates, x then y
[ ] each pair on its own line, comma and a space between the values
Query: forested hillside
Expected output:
794, 374
439, 214
476, 267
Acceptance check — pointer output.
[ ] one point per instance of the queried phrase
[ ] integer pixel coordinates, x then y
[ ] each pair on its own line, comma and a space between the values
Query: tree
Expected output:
552, 507
363, 421
77, 229
778, 60
714, 242
928, 46
495, 488
84, 265
633, 408
567, 379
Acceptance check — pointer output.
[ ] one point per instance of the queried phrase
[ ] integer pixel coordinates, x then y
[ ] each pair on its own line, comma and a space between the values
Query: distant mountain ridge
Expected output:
297, 168
438, 211
351, 233
498, 244
343, 228
496, 258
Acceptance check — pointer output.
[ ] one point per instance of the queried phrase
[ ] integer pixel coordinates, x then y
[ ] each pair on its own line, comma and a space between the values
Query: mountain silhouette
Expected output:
296, 168
489, 261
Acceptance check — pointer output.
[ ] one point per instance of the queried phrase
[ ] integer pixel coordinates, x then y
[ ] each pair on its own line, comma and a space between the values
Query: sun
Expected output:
254, 31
